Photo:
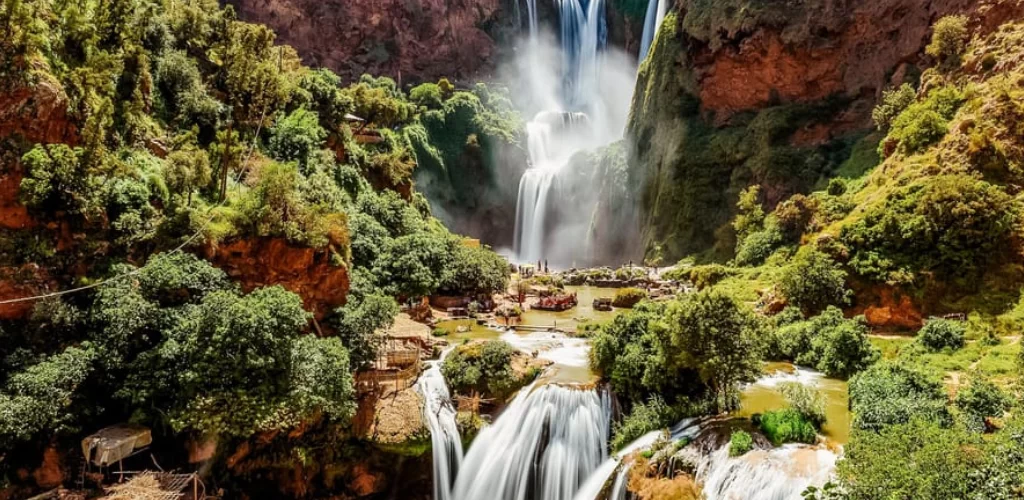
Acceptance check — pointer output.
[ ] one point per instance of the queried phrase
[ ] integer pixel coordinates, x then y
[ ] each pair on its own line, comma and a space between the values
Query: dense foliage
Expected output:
699, 345
830, 343
484, 367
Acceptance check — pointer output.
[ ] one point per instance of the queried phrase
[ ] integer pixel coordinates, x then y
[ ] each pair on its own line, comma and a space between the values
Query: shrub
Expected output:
889, 394
645, 417
794, 216
840, 347
440, 332
707, 275
740, 442
787, 426
807, 400
296, 137
759, 245
813, 281
628, 297
427, 95
894, 101
949, 38
926, 122
938, 334
980, 400
750, 215
482, 366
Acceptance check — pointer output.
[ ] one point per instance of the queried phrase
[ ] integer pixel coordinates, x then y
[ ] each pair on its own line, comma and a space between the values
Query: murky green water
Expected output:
764, 395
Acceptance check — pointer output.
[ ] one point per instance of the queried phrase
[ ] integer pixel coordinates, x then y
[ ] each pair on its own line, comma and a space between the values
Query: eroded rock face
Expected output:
24, 281
887, 308
37, 111
306, 271
407, 39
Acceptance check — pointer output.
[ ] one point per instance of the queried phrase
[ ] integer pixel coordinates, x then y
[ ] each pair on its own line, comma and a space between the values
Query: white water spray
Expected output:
444, 432
579, 96
545, 445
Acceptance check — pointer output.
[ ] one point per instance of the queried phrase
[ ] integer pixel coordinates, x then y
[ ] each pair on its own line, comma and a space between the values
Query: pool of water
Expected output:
765, 395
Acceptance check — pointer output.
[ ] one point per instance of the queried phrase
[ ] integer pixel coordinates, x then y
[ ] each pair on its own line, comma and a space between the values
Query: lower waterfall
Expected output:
544, 445
444, 432
778, 474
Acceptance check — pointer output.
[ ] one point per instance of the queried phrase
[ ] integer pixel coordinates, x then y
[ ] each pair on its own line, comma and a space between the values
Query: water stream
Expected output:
439, 415
544, 445
656, 10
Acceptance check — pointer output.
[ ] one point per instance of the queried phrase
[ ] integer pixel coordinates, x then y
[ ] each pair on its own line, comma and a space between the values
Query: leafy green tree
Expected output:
837, 347
645, 417
750, 215
475, 269
326, 97
296, 137
806, 400
366, 311
890, 394
716, 336
179, 79
483, 366
42, 397
414, 265
187, 171
813, 281
427, 95
56, 178
787, 425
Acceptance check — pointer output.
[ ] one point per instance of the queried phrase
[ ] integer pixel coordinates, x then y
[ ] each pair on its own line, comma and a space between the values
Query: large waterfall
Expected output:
444, 433
656, 10
579, 98
776, 474
544, 445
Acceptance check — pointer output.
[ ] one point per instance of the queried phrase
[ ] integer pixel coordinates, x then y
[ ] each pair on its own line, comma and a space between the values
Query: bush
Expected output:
485, 367
813, 281
759, 245
807, 400
926, 122
938, 334
980, 400
787, 426
740, 442
708, 275
628, 297
894, 101
889, 394
296, 137
645, 417
949, 38
840, 347
427, 95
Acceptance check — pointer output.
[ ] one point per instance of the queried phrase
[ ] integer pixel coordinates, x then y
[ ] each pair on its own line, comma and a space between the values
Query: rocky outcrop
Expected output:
13, 215
36, 110
306, 271
394, 421
888, 309
24, 281
405, 39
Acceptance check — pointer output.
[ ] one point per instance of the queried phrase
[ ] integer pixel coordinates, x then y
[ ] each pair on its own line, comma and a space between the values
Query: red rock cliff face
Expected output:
414, 39
825, 47
271, 261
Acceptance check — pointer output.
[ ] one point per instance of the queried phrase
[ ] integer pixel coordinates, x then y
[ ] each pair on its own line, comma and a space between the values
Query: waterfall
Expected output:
544, 445
777, 474
656, 10
444, 433
574, 118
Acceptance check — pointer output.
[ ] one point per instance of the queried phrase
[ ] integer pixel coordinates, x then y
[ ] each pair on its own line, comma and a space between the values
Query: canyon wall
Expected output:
780, 94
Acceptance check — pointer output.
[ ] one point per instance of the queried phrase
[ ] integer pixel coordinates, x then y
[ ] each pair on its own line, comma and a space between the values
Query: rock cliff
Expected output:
406, 39
780, 94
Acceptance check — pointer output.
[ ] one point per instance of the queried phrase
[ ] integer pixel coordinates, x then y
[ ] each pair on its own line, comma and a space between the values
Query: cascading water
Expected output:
444, 433
776, 474
656, 10
544, 445
579, 110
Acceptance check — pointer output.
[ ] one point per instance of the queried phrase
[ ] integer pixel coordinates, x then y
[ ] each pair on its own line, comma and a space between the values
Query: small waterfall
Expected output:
444, 432
656, 10
777, 474
544, 445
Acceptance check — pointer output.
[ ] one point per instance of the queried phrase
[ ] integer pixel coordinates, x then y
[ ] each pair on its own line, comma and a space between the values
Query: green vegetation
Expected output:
949, 38
828, 342
698, 347
889, 394
787, 426
740, 442
939, 334
806, 400
645, 417
484, 367
186, 132
628, 297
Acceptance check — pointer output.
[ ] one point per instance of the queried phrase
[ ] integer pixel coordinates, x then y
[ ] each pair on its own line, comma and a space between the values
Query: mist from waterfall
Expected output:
778, 474
577, 89
544, 445
439, 415
656, 10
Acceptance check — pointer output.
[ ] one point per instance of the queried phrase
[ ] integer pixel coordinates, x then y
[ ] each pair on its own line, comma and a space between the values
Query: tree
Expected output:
813, 281
980, 400
714, 335
838, 347
56, 178
187, 171
474, 270
366, 311
296, 137
750, 216
894, 101
427, 95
